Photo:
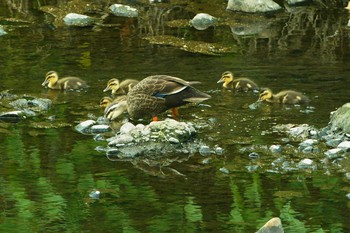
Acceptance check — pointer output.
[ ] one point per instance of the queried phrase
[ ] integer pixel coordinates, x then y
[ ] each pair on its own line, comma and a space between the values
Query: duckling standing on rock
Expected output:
67, 83
120, 87
283, 97
156, 94
239, 84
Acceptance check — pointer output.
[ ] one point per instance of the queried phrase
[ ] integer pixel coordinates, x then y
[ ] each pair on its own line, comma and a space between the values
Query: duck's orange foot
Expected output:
175, 113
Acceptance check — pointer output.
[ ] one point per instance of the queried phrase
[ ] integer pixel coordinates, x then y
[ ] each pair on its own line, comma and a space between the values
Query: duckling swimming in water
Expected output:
283, 97
67, 83
120, 87
239, 84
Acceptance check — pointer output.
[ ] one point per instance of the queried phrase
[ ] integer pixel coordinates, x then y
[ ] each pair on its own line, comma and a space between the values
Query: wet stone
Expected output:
254, 155
123, 10
253, 6
126, 128
73, 19
224, 170
95, 129
334, 153
85, 126
305, 163
11, 117
347, 175
203, 21
308, 142
276, 148
205, 150
95, 194
348, 196
344, 145
218, 150
2, 31
334, 142
121, 140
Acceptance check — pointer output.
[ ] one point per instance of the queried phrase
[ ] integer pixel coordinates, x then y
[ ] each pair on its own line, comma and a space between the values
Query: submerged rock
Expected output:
2, 31
253, 6
203, 21
124, 10
73, 19
12, 117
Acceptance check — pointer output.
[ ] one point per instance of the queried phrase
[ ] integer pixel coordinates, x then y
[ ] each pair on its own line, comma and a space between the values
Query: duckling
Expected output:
120, 87
283, 97
116, 107
105, 101
156, 94
239, 84
67, 83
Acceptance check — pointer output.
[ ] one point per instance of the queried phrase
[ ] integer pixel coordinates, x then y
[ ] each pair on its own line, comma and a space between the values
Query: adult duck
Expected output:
156, 94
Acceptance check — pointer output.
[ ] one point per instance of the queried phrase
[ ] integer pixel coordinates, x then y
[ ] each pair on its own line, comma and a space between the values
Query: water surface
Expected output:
47, 170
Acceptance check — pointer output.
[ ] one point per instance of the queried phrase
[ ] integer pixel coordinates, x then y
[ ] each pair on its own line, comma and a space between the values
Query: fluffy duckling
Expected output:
67, 83
120, 87
239, 84
283, 97
156, 94
115, 108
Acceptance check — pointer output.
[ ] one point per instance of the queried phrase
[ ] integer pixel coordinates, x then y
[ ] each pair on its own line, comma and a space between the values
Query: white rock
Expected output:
344, 145
124, 10
126, 128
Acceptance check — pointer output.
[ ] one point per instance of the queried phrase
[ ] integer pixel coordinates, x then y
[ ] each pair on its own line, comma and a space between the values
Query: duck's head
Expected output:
105, 101
264, 94
226, 78
51, 78
113, 84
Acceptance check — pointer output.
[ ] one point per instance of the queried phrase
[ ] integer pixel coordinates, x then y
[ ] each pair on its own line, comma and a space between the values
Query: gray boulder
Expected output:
203, 21
73, 19
124, 10
340, 119
253, 6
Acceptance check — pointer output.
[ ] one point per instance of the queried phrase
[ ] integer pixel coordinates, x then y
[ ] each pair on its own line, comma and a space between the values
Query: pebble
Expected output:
100, 129
224, 170
334, 153
305, 163
254, 155
95, 194
276, 148
204, 150
84, 126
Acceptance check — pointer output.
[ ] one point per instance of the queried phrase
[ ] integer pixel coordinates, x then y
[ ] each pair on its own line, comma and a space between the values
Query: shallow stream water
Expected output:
48, 170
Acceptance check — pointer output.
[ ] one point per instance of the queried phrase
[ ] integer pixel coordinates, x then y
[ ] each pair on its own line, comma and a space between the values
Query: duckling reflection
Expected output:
120, 87
283, 97
68, 83
239, 84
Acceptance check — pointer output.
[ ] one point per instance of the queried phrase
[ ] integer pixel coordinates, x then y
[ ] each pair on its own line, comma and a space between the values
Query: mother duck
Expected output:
156, 94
